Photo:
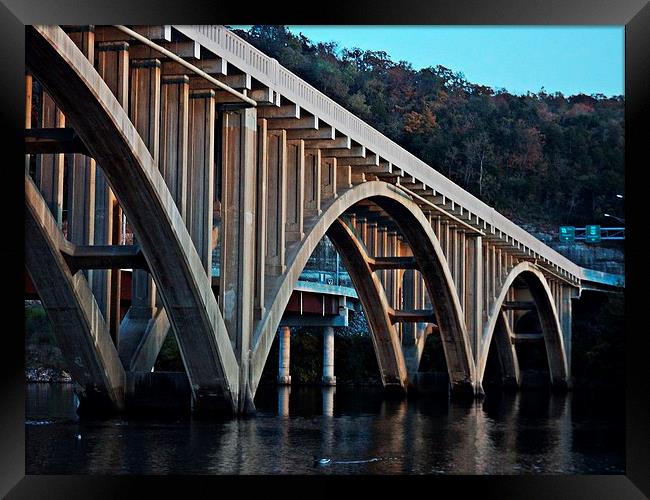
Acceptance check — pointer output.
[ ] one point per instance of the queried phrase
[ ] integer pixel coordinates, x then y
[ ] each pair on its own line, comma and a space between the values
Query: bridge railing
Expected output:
267, 70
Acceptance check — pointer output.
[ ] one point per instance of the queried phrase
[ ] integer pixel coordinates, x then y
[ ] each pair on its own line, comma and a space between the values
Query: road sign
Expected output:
567, 233
592, 234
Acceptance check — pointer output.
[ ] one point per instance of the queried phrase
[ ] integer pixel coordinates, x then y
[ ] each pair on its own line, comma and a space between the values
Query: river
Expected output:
335, 431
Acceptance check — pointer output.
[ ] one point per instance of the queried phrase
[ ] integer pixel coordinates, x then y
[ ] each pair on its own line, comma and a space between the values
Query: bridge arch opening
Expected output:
523, 338
323, 296
358, 254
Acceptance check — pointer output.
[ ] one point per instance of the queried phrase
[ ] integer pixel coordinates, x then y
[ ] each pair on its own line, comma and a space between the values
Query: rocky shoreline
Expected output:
48, 375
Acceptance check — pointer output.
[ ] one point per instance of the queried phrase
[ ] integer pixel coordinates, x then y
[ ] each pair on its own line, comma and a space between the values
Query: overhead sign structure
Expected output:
592, 234
567, 233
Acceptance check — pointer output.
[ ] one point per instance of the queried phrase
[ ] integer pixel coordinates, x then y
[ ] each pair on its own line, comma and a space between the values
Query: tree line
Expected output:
539, 158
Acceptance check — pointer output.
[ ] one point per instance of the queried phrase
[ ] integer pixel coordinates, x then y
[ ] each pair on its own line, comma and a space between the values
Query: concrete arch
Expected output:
548, 317
431, 262
390, 358
77, 322
441, 289
185, 289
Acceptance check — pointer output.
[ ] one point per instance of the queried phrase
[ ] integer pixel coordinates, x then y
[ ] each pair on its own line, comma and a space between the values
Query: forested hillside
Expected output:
545, 159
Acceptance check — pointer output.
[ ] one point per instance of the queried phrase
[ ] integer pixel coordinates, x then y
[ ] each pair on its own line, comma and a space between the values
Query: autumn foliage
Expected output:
540, 158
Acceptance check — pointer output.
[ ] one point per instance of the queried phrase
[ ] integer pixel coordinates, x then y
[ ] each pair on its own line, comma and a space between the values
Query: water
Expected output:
335, 431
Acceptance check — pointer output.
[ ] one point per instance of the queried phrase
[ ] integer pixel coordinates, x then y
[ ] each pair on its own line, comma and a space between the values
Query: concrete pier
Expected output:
328, 356
328, 401
284, 356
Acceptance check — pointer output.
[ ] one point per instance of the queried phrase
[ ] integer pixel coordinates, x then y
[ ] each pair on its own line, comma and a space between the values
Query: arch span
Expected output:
106, 130
430, 260
77, 323
390, 359
548, 317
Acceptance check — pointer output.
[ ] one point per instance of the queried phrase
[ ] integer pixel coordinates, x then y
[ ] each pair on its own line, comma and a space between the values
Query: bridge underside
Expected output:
216, 161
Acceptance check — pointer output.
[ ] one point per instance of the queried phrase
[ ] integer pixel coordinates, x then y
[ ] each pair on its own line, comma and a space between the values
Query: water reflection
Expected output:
283, 400
327, 395
335, 430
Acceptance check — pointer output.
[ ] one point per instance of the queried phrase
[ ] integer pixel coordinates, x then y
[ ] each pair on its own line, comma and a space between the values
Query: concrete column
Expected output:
474, 294
328, 401
381, 251
174, 131
461, 269
500, 267
395, 285
145, 115
566, 314
284, 356
312, 182
452, 258
389, 284
112, 61
81, 199
276, 219
237, 287
487, 276
328, 178
371, 240
200, 173
445, 239
411, 348
353, 221
49, 167
295, 190
328, 356
493, 273
363, 230
506, 352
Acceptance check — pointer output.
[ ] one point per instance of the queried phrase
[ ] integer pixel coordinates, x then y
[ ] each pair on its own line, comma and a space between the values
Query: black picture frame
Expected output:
15, 14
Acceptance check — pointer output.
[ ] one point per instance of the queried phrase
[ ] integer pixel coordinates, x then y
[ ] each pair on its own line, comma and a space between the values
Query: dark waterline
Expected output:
336, 431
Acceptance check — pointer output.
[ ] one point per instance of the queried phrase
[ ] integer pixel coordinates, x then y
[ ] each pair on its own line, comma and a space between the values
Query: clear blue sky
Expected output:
571, 60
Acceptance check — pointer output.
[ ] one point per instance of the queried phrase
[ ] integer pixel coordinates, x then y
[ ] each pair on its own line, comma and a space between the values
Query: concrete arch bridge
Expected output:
215, 152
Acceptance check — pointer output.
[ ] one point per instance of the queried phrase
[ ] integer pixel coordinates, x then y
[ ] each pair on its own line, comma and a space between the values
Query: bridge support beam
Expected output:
238, 245
284, 356
328, 356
